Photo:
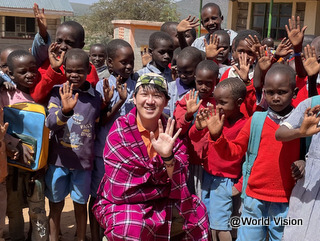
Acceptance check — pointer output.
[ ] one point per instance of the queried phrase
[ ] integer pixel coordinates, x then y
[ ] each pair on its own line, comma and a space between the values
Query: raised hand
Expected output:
298, 169
187, 24
212, 50
67, 100
284, 48
310, 63
201, 121
215, 122
55, 60
264, 61
244, 67
107, 91
191, 104
145, 57
295, 33
253, 43
164, 144
309, 125
122, 89
41, 20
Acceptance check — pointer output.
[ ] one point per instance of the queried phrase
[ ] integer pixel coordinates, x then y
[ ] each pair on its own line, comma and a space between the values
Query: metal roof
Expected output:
51, 6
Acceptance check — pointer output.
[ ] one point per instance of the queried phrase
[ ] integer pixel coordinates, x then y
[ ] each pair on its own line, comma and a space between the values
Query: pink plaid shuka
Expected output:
136, 196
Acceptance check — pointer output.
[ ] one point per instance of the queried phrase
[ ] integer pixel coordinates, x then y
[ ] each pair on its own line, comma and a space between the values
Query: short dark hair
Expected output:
167, 25
99, 46
157, 36
209, 65
242, 35
114, 45
209, 5
76, 53
17, 54
152, 87
223, 33
283, 69
191, 53
77, 27
238, 88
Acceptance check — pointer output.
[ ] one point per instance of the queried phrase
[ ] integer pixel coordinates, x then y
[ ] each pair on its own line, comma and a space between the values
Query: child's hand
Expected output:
253, 43
9, 86
67, 100
41, 20
309, 125
25, 154
235, 191
122, 89
264, 61
295, 34
187, 24
107, 92
145, 57
244, 67
55, 60
191, 104
298, 169
201, 121
284, 48
310, 63
215, 122
212, 50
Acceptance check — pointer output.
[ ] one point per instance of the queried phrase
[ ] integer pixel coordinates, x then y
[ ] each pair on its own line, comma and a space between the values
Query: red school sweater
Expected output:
197, 150
40, 93
248, 107
270, 179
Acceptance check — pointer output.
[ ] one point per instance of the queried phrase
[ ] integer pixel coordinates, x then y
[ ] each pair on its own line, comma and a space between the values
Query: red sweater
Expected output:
40, 93
270, 178
248, 107
303, 93
197, 150
217, 166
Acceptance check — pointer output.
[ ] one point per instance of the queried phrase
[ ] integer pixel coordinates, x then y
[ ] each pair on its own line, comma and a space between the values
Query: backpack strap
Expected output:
257, 123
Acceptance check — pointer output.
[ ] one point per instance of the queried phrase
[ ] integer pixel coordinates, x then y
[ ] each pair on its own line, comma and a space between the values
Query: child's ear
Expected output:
239, 102
150, 51
221, 17
295, 93
110, 63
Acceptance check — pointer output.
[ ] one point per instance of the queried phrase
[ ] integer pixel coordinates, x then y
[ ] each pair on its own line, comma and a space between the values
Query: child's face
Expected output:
211, 20
186, 71
97, 56
279, 92
25, 72
76, 72
189, 38
223, 43
162, 53
243, 48
174, 35
205, 82
67, 38
3, 61
123, 63
225, 102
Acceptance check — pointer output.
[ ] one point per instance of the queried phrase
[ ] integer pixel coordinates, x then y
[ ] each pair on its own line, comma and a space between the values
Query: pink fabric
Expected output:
136, 196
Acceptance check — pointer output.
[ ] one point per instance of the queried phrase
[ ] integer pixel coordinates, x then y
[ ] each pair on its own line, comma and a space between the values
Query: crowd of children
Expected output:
232, 98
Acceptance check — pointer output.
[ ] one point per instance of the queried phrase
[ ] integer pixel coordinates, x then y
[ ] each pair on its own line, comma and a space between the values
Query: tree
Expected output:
97, 23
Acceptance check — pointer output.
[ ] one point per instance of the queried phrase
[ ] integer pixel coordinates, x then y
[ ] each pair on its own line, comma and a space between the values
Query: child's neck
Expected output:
234, 118
285, 111
157, 66
23, 89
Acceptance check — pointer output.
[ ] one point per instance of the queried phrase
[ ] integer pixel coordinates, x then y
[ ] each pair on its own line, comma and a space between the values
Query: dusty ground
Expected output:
67, 222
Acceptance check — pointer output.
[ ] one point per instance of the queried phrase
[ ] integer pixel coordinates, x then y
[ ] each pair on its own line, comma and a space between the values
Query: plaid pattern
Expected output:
136, 196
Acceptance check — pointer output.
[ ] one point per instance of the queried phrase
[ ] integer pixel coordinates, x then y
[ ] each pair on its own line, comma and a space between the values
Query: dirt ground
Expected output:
68, 227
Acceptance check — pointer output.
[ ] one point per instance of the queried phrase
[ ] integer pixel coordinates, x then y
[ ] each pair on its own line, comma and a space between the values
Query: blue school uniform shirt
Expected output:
153, 69
177, 89
128, 105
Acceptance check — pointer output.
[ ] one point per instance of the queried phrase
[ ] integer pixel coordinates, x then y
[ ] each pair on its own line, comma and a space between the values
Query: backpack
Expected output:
256, 126
27, 122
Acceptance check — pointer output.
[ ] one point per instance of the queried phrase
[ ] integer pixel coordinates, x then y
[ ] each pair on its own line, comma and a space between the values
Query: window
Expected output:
281, 12
19, 27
